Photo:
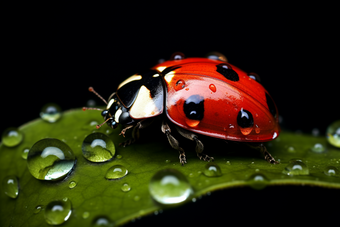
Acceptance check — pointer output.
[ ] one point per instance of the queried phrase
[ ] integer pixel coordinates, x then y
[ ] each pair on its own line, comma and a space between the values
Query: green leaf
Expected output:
304, 160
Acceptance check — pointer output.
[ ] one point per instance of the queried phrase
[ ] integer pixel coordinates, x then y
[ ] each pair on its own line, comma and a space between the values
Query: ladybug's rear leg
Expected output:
267, 156
173, 142
199, 145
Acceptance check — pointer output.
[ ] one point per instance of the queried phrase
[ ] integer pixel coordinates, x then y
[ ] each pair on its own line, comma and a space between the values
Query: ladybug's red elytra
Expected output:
207, 96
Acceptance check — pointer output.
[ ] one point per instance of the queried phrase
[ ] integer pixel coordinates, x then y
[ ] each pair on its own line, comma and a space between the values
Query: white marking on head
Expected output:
145, 106
117, 115
128, 80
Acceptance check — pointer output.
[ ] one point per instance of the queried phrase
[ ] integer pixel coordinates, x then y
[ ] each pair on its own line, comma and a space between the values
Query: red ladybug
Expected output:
207, 96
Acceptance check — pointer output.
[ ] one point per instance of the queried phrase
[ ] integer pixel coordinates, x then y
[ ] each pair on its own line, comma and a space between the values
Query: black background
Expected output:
53, 53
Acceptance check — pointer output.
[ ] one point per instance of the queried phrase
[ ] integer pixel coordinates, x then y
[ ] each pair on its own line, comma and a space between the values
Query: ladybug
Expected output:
200, 96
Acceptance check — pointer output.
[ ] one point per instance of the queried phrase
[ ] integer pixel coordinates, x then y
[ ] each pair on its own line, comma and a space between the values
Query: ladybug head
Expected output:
114, 113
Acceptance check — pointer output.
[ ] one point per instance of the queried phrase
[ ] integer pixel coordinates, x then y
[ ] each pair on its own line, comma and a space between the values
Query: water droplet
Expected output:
212, 87
90, 125
296, 167
333, 133
97, 147
180, 84
318, 148
228, 163
212, 170
72, 184
246, 131
116, 172
24, 153
10, 186
136, 198
231, 126
257, 129
169, 186
126, 187
86, 214
119, 156
58, 211
51, 112
331, 171
291, 149
192, 123
167, 161
12, 137
50, 159
258, 181
102, 221
37, 209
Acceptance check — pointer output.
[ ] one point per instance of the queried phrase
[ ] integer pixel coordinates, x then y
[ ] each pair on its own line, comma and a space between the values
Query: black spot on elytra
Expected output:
245, 119
227, 72
194, 107
271, 106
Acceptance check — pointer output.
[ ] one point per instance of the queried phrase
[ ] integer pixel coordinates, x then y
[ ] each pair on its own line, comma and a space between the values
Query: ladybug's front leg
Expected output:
173, 142
135, 131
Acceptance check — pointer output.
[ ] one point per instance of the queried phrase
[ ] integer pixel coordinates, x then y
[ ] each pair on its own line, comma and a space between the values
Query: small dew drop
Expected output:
116, 172
72, 184
86, 214
37, 209
169, 186
212, 87
102, 221
119, 156
258, 181
10, 186
331, 171
291, 149
51, 112
12, 137
295, 168
97, 147
24, 153
126, 187
333, 133
318, 148
257, 129
58, 211
180, 84
212, 170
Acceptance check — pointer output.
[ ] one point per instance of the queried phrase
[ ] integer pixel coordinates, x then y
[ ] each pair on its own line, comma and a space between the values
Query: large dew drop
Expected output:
58, 211
97, 147
50, 159
169, 186
333, 133
12, 137
10, 186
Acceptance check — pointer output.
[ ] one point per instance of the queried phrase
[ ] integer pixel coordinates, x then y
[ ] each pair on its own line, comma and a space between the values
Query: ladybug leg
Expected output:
135, 131
267, 156
173, 142
199, 145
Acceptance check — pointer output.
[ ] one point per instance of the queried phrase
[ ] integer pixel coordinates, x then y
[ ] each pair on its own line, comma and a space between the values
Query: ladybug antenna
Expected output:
92, 108
98, 126
93, 91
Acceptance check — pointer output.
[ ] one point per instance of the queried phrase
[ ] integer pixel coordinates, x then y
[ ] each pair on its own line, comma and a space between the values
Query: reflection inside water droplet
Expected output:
50, 159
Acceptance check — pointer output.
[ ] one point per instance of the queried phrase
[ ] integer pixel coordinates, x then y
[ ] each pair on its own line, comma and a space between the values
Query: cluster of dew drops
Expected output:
51, 159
